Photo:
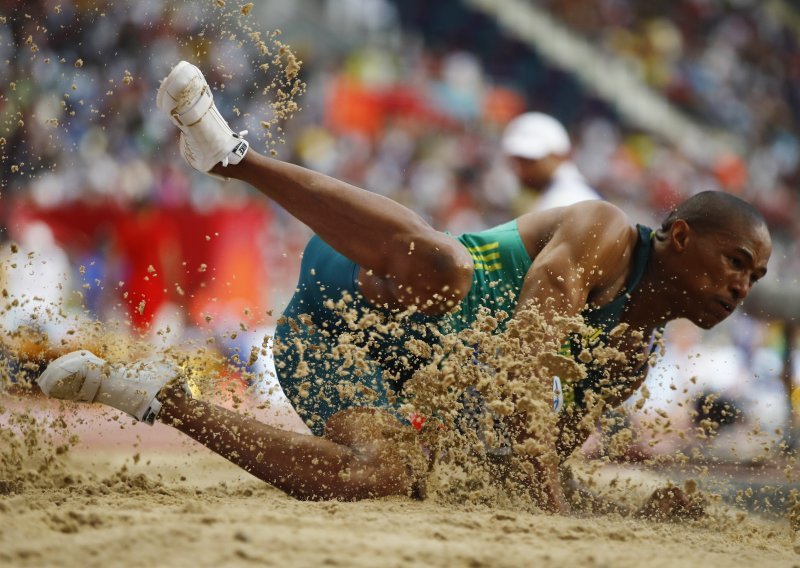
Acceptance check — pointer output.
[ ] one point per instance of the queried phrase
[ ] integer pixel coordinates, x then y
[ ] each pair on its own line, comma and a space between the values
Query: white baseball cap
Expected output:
534, 135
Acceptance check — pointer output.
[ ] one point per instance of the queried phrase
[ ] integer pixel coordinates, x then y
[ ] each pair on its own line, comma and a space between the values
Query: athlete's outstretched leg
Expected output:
401, 255
304, 466
364, 453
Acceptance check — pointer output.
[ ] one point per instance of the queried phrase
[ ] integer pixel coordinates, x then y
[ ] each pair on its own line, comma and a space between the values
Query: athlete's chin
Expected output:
705, 324
707, 321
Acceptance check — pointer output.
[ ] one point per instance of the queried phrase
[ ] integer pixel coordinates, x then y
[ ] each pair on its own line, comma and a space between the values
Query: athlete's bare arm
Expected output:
580, 254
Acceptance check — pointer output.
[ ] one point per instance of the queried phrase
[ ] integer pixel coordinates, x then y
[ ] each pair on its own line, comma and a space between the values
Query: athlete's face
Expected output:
720, 268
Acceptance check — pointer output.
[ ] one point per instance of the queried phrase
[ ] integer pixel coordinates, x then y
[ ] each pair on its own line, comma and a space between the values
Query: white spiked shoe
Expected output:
206, 138
83, 377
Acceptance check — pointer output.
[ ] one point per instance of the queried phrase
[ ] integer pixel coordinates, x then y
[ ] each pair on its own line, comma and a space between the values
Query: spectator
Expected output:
538, 149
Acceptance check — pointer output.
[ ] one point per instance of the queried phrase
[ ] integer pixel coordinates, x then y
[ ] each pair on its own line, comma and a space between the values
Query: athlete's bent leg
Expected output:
402, 256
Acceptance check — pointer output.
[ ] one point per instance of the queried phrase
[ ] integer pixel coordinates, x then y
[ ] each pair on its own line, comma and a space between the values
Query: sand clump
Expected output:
484, 395
275, 70
474, 380
491, 403
31, 450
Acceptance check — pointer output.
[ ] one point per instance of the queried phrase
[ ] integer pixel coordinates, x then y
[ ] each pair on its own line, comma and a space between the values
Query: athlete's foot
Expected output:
206, 139
134, 388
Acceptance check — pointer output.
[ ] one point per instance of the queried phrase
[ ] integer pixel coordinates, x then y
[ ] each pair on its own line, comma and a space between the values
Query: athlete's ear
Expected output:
679, 235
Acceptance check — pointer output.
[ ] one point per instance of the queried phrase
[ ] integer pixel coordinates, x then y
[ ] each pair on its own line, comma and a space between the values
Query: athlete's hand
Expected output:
672, 504
546, 489
556, 501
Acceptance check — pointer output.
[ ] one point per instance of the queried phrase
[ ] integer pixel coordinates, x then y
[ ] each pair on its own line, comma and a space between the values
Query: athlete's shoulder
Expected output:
593, 227
595, 220
596, 209
597, 234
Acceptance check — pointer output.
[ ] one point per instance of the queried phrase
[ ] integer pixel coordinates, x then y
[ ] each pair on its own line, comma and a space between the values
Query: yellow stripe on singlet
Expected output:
488, 267
482, 259
566, 346
483, 248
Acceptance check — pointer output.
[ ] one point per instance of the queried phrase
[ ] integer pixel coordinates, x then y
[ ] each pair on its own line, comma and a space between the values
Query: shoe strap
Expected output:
197, 111
154, 408
150, 414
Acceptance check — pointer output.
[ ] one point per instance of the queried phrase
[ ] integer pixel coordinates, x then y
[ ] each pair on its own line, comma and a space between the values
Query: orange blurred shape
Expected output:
501, 104
353, 108
731, 172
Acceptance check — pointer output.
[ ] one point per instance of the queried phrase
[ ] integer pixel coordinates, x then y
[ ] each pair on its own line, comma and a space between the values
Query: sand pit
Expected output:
129, 493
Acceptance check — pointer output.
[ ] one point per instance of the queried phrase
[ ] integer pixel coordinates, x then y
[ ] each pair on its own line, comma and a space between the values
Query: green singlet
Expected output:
317, 377
501, 263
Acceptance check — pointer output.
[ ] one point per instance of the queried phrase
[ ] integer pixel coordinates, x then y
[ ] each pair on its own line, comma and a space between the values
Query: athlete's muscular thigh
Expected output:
433, 287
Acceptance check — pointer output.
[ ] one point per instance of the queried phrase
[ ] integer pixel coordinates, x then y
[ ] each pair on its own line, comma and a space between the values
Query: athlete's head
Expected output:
719, 247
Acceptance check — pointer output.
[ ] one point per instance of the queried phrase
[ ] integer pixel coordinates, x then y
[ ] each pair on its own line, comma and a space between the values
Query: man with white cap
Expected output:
538, 149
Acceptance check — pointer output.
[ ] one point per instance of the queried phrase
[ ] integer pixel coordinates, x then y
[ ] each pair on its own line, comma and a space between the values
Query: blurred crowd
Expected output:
93, 188
731, 64
728, 64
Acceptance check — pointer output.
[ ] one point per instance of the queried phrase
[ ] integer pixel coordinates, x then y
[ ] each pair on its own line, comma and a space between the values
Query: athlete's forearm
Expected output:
572, 431
536, 447
545, 486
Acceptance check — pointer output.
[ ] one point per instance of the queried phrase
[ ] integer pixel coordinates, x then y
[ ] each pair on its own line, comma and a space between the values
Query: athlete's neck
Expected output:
651, 304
